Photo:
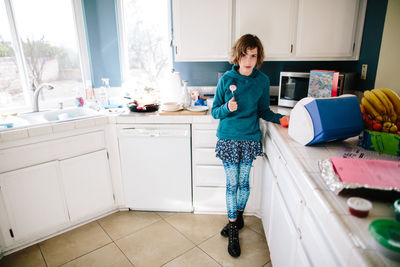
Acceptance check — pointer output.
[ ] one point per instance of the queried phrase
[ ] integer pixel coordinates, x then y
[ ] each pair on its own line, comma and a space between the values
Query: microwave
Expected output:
293, 86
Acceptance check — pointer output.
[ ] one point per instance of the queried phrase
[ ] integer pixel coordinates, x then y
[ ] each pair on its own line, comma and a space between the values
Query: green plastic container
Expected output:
387, 143
386, 234
396, 208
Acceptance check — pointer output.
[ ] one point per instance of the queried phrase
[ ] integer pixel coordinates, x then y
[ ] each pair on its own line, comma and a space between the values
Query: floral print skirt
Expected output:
236, 151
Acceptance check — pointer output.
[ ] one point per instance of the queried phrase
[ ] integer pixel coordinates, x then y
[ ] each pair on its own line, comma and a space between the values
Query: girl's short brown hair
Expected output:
242, 44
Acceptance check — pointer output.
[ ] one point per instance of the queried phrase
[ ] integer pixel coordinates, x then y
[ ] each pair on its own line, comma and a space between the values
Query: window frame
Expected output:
79, 26
123, 40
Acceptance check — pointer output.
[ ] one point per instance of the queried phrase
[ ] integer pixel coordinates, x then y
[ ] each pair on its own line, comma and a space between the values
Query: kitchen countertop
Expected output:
34, 130
303, 159
340, 224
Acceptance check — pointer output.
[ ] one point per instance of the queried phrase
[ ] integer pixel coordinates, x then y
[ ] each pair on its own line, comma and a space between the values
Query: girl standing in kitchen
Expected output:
242, 97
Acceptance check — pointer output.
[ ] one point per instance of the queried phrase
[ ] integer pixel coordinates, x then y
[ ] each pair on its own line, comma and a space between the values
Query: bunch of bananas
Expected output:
381, 110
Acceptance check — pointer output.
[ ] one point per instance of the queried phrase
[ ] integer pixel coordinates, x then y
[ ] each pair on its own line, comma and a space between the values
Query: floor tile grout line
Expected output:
113, 241
161, 218
126, 256
269, 261
41, 253
104, 230
93, 249
264, 236
210, 255
80, 256
195, 245
180, 232
137, 230
186, 251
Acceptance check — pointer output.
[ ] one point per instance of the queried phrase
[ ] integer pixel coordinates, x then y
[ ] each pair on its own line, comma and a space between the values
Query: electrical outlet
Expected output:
364, 71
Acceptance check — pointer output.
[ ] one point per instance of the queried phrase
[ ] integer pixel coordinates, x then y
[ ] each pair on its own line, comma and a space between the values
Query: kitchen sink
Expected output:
68, 114
58, 115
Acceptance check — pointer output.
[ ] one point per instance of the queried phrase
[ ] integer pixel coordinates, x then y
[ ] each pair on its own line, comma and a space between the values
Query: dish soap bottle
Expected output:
186, 96
103, 97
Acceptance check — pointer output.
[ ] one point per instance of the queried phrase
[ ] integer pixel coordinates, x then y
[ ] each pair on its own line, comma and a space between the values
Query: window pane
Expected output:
147, 33
49, 39
11, 92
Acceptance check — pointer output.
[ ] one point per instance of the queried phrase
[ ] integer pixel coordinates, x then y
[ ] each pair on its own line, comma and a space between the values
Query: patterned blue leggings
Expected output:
237, 186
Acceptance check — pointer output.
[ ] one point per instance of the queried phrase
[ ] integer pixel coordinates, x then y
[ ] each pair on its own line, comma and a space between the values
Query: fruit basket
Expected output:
381, 114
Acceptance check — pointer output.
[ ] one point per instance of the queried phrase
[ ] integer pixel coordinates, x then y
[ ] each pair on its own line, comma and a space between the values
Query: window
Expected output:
146, 41
39, 43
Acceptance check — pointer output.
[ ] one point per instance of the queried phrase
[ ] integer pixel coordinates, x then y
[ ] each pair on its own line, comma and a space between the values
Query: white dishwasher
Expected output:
156, 166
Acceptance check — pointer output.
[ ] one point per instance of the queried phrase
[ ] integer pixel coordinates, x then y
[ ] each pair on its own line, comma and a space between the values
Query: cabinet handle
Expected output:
299, 232
11, 233
176, 50
291, 48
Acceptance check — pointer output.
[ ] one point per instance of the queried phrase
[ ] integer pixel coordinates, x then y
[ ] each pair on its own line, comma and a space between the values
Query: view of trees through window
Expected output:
50, 52
148, 38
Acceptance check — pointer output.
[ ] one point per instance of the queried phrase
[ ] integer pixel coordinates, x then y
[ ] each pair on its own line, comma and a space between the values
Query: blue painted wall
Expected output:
103, 40
206, 73
102, 32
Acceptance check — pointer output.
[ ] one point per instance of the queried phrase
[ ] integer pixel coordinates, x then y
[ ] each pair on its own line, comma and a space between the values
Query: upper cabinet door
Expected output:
202, 29
271, 20
328, 29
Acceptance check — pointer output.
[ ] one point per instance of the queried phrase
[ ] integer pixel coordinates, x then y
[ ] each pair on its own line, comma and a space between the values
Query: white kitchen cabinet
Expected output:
267, 181
283, 232
319, 250
209, 180
87, 185
288, 29
51, 183
34, 202
271, 20
300, 257
202, 30
329, 29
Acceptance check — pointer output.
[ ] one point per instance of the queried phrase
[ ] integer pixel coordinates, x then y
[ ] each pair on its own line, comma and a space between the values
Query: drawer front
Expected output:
272, 153
20, 157
205, 156
205, 138
290, 193
206, 175
209, 199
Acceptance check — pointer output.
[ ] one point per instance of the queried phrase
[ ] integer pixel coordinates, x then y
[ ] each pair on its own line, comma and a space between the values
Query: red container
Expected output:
359, 207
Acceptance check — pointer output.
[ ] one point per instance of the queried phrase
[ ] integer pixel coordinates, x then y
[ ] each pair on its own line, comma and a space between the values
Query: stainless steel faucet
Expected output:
36, 95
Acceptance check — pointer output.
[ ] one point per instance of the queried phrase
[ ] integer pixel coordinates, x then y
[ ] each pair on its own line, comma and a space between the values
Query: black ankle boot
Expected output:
239, 223
233, 243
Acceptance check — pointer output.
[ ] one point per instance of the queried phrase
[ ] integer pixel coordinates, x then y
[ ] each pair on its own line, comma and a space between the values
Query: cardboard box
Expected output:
323, 83
387, 143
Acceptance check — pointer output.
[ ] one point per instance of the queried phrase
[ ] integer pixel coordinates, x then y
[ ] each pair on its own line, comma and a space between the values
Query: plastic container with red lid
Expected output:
359, 207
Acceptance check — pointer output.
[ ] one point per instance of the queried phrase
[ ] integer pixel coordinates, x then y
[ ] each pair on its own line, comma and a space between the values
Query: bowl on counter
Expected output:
171, 106
386, 237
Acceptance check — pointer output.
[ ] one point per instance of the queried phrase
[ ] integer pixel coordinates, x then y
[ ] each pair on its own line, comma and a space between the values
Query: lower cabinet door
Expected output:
283, 233
267, 182
301, 257
316, 243
87, 185
33, 200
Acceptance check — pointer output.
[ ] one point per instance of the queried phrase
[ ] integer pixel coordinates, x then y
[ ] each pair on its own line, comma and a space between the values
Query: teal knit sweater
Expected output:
252, 97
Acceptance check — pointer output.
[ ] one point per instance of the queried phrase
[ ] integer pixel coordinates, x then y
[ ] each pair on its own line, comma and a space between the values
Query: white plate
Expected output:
197, 108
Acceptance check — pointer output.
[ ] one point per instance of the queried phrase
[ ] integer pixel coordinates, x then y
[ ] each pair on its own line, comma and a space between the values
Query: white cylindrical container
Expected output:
186, 100
173, 89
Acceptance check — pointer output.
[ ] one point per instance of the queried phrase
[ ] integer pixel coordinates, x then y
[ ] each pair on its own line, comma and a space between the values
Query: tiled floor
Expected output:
133, 238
